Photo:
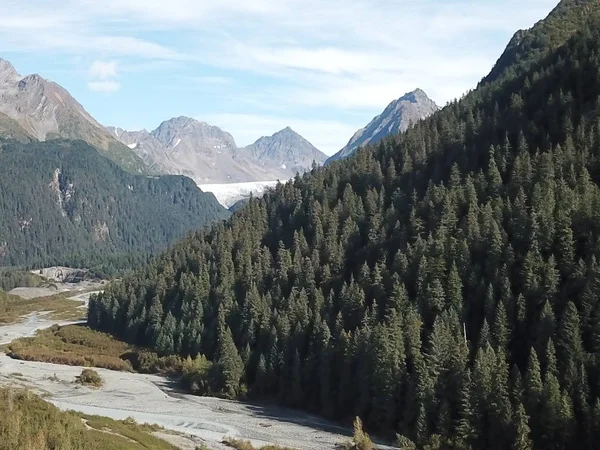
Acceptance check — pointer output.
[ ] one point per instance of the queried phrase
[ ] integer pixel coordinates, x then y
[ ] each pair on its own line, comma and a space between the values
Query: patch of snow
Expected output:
177, 141
132, 146
229, 193
283, 166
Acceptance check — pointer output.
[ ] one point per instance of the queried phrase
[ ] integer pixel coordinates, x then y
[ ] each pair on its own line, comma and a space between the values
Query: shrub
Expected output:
360, 439
90, 377
198, 375
405, 443
245, 445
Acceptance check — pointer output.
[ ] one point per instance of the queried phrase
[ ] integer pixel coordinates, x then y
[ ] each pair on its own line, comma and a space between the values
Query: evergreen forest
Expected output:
62, 202
444, 285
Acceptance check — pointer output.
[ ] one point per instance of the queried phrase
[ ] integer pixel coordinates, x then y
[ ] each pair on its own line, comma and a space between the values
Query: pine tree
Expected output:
569, 345
522, 439
231, 366
422, 426
500, 331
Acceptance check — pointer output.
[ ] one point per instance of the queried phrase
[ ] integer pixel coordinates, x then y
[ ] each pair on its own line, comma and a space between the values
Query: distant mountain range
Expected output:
208, 154
395, 119
35, 109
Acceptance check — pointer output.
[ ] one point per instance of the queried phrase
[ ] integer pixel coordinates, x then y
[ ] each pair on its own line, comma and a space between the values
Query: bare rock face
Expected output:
285, 152
209, 155
395, 119
44, 110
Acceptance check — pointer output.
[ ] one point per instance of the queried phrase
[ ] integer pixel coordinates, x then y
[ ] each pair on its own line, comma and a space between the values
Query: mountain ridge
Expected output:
396, 118
285, 149
45, 110
210, 155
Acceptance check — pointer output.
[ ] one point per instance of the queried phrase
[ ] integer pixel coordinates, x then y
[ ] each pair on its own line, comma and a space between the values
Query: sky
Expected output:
253, 67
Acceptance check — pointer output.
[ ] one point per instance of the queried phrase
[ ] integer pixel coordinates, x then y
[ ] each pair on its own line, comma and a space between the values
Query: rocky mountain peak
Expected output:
45, 110
285, 151
418, 95
209, 155
173, 131
396, 118
7, 69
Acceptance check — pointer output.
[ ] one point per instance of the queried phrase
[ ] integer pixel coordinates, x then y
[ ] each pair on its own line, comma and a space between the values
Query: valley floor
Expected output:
154, 400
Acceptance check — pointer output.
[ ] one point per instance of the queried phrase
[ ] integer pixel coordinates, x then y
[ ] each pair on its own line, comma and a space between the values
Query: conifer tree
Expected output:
231, 366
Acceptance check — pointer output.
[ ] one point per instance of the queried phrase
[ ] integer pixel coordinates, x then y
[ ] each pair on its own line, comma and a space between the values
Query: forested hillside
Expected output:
443, 286
62, 202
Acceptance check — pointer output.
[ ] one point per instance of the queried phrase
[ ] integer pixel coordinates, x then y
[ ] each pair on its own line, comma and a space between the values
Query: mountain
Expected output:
144, 145
527, 46
444, 286
395, 119
62, 202
42, 110
210, 155
10, 129
286, 152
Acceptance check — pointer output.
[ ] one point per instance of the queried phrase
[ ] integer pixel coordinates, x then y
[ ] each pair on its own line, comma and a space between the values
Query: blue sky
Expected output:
252, 67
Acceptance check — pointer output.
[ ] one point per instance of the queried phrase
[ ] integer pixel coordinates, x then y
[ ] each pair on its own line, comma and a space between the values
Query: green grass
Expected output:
28, 422
129, 429
13, 308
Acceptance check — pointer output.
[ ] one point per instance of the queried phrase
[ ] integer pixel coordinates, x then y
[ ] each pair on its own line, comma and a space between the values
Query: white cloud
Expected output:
103, 70
106, 87
294, 56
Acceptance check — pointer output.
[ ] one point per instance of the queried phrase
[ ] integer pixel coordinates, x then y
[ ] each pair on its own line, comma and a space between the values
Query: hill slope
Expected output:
63, 203
527, 46
444, 286
396, 118
44, 110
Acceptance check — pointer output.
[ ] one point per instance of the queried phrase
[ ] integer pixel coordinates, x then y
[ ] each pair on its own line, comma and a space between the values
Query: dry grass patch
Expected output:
79, 345
246, 445
13, 308
28, 422
73, 345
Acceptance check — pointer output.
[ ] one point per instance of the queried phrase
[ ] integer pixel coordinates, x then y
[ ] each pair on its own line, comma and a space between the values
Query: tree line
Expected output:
443, 286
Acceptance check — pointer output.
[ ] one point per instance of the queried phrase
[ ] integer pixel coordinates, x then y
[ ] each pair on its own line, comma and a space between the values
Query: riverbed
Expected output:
156, 400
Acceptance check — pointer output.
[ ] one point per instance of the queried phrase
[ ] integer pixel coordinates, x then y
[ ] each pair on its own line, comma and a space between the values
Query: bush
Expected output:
90, 377
405, 443
197, 375
360, 439
245, 445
